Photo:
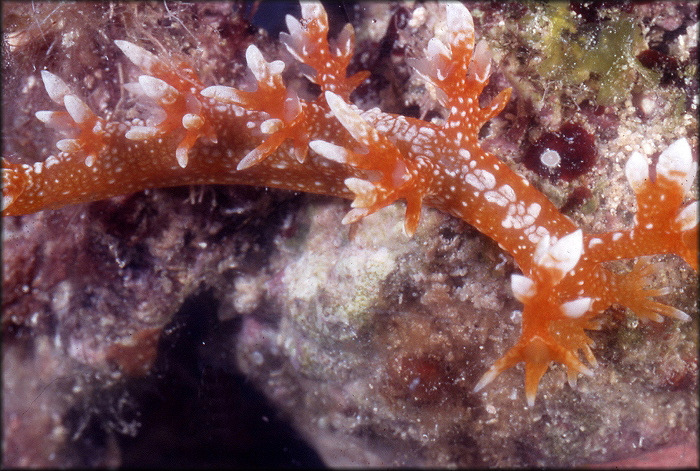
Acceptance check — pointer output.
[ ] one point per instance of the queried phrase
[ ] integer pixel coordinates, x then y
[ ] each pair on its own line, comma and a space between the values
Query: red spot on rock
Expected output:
576, 198
667, 65
566, 153
136, 355
421, 378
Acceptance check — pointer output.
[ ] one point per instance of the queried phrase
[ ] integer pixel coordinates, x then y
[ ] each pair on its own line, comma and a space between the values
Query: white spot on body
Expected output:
594, 241
497, 198
561, 256
486, 178
192, 122
522, 286
534, 210
507, 191
576, 308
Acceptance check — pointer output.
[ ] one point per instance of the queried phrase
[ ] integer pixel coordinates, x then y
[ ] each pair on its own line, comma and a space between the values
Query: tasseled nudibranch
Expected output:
270, 136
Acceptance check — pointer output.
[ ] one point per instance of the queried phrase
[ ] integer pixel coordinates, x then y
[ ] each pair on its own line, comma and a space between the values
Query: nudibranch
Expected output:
270, 136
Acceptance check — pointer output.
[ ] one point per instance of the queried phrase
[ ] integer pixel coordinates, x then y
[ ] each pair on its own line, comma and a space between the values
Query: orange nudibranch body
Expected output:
271, 137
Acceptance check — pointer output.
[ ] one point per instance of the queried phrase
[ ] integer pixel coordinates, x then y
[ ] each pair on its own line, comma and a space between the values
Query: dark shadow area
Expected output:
196, 412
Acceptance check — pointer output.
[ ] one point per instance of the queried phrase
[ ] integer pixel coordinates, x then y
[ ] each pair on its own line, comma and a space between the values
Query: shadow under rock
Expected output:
197, 412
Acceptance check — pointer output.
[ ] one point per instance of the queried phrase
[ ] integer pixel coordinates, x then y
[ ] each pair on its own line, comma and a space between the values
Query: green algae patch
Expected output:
602, 54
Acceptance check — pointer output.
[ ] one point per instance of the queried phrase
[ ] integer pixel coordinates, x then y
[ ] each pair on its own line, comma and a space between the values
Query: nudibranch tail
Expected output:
219, 134
15, 178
